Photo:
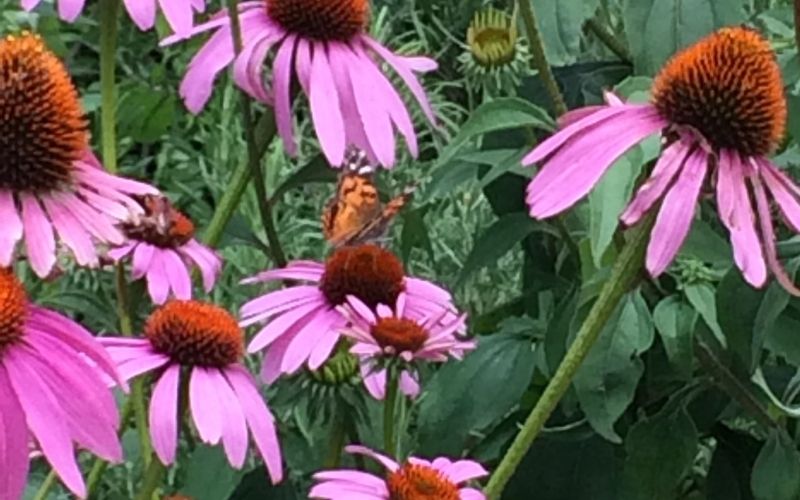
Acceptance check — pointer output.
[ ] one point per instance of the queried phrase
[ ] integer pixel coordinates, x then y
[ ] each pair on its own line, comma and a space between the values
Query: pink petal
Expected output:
259, 419
179, 280
283, 324
786, 200
325, 112
164, 415
653, 189
374, 380
205, 66
464, 470
69, 10
408, 384
387, 462
39, 239
281, 82
179, 15
273, 303
13, 442
157, 278
12, 228
205, 405
234, 425
142, 257
142, 12
675, 217
71, 233
307, 338
206, 260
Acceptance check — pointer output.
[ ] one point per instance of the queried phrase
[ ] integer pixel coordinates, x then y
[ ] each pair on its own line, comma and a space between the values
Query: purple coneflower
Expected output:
205, 341
51, 390
388, 335
720, 107
323, 45
50, 182
162, 248
178, 13
304, 323
414, 479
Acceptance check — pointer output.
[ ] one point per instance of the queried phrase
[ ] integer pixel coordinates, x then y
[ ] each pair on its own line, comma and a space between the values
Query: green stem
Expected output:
99, 467
390, 404
539, 59
609, 40
254, 157
623, 276
109, 10
338, 436
154, 474
797, 23
46, 486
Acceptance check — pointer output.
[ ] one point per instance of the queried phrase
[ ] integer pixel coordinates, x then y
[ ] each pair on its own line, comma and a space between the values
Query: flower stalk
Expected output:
623, 275
390, 405
539, 59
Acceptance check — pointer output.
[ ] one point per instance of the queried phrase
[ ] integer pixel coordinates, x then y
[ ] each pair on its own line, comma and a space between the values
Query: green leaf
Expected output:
738, 304
473, 394
571, 465
701, 297
146, 114
607, 380
208, 474
560, 24
776, 473
415, 233
656, 29
499, 114
660, 452
674, 321
256, 485
496, 241
608, 199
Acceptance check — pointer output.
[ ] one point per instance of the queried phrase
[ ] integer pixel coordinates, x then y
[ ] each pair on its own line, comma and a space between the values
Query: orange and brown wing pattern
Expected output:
355, 214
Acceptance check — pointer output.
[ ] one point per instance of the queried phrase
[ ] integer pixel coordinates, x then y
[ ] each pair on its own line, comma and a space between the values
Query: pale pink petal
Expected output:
374, 380
12, 228
409, 384
142, 12
205, 66
325, 345
142, 364
157, 278
71, 232
259, 419
179, 15
142, 257
786, 200
69, 10
667, 166
281, 83
40, 242
179, 280
302, 63
471, 494
278, 301
13, 442
307, 339
363, 310
282, 324
676, 214
234, 425
205, 405
29, 5
206, 260
164, 415
94, 218
464, 470
325, 112
119, 253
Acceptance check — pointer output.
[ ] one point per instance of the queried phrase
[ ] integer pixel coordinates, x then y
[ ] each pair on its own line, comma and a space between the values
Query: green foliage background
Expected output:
690, 392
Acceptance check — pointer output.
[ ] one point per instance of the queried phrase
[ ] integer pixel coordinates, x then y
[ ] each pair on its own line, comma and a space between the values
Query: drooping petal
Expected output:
307, 338
40, 242
179, 280
259, 419
163, 417
205, 405
282, 324
675, 217
142, 257
69, 10
234, 424
325, 111
387, 462
157, 278
206, 260
179, 15
281, 83
71, 232
668, 164
142, 12
786, 200
13, 442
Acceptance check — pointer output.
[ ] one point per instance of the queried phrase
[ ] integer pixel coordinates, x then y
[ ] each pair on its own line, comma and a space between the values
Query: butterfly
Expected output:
355, 214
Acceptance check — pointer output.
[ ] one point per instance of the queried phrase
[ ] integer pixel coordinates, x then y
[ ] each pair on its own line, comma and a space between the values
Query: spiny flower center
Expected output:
420, 482
195, 334
42, 127
369, 272
13, 300
161, 225
492, 37
400, 334
727, 86
321, 19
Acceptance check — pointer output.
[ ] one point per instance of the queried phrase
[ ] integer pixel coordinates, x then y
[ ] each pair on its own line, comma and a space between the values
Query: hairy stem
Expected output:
609, 40
539, 59
254, 158
338, 435
623, 275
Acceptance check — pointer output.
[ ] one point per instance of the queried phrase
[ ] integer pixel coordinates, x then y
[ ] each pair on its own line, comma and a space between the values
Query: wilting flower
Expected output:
416, 478
51, 390
207, 344
162, 248
323, 45
304, 323
50, 182
178, 13
388, 336
720, 107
